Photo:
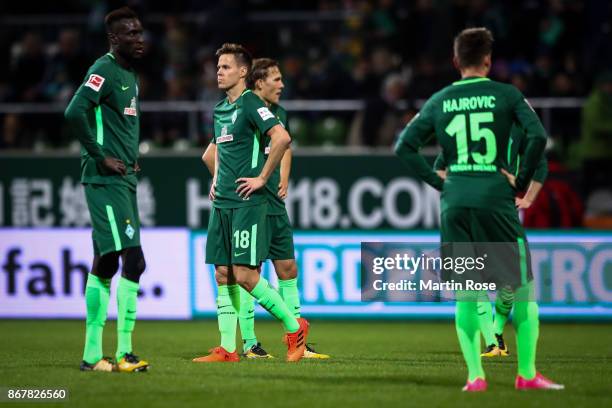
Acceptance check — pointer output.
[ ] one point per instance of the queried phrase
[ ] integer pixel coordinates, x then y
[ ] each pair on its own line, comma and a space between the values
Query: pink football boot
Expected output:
479, 384
539, 382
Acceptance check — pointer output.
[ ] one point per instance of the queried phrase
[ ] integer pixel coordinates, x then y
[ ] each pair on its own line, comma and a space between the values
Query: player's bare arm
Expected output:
280, 141
215, 169
209, 158
530, 196
285, 171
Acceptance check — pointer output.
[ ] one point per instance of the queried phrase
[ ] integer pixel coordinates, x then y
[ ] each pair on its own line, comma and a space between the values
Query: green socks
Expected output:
527, 325
466, 323
127, 298
228, 305
246, 320
97, 295
288, 290
270, 300
485, 319
503, 306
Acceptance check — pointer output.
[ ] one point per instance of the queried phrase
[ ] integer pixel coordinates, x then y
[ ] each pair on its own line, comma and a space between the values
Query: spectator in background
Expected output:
66, 68
28, 66
595, 146
427, 79
13, 134
151, 69
383, 117
543, 72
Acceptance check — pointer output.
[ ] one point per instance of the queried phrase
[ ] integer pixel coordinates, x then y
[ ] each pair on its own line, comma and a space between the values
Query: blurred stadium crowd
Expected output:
382, 56
386, 54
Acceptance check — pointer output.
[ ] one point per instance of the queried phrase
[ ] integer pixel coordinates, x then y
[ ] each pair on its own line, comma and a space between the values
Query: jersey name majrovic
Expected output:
472, 121
240, 129
114, 121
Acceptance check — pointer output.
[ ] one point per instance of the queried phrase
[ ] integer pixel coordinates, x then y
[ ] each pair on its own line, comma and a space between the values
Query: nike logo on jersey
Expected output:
239, 253
124, 88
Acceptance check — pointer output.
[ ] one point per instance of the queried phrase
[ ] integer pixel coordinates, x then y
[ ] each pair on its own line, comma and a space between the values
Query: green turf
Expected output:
375, 364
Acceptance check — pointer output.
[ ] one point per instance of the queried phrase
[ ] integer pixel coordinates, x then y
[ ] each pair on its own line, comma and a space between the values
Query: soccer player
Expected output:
472, 119
266, 82
104, 116
237, 229
493, 328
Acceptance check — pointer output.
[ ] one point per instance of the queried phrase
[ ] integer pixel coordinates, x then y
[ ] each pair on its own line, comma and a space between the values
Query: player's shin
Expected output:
127, 299
270, 300
527, 324
485, 319
466, 323
97, 295
246, 320
503, 306
288, 289
228, 305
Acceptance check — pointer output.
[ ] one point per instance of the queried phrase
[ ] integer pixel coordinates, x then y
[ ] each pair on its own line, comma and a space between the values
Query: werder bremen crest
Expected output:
129, 231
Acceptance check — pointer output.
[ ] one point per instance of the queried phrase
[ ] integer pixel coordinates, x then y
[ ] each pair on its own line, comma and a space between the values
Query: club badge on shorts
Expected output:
129, 230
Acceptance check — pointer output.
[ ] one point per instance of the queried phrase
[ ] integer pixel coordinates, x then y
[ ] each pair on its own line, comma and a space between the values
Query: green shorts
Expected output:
114, 217
237, 236
280, 236
499, 235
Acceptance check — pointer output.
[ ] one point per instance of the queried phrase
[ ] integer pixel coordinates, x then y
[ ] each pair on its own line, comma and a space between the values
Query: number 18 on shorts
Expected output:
237, 236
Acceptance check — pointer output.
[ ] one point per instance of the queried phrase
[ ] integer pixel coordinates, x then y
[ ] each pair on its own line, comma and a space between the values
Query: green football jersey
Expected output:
114, 121
277, 204
516, 152
240, 129
472, 121
518, 144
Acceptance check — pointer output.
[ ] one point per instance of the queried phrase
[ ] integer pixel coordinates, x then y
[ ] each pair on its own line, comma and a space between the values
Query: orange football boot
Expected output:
296, 342
218, 355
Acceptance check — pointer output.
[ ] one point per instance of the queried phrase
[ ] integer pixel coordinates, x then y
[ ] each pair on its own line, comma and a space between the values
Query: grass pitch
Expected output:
374, 364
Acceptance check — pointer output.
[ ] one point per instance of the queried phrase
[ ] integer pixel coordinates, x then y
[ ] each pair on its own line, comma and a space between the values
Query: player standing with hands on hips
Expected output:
104, 116
472, 121
237, 229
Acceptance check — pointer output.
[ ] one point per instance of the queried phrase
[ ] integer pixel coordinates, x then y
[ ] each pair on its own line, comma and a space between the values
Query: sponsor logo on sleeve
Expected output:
95, 82
265, 113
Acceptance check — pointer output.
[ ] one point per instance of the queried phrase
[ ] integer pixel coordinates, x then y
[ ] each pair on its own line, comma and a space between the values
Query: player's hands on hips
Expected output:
114, 165
442, 174
511, 178
248, 185
522, 203
282, 190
